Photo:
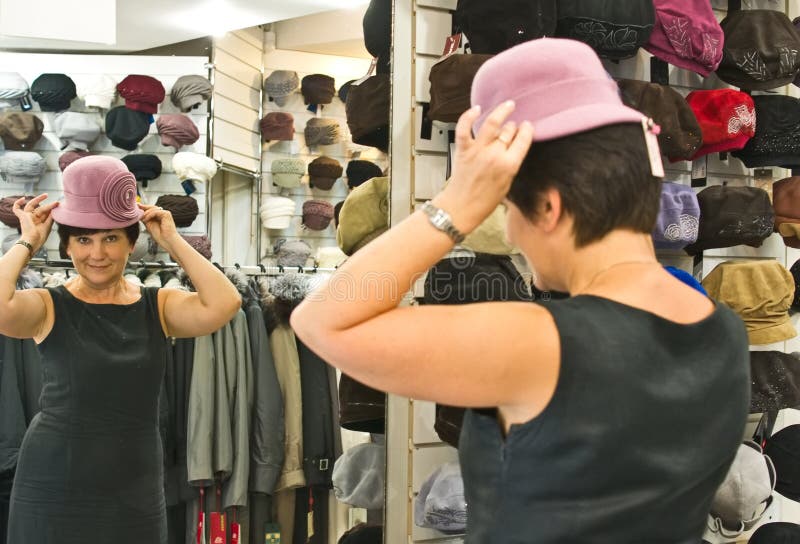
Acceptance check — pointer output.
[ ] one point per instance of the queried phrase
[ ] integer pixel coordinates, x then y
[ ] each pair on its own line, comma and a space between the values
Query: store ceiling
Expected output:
145, 24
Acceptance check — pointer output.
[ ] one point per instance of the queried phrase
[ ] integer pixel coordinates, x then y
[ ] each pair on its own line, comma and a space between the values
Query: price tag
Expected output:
650, 130
700, 171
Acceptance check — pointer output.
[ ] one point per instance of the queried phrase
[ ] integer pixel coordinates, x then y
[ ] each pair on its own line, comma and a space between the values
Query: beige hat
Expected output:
364, 215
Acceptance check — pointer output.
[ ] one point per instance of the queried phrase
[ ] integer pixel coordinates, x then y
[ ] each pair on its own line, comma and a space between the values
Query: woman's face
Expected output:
100, 258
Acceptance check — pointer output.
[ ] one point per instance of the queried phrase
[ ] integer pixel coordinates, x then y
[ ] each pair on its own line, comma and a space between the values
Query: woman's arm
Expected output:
473, 355
216, 300
23, 314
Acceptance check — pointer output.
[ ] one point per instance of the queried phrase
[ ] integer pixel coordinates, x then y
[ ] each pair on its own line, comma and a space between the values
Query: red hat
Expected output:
141, 93
727, 119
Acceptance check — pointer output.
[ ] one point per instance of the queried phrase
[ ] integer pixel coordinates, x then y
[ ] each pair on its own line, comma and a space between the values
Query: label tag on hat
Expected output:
372, 67
699, 171
452, 45
188, 187
651, 131
272, 533
25, 103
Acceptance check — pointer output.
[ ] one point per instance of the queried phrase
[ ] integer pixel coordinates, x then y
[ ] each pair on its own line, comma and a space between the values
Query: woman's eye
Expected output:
112, 238
83, 240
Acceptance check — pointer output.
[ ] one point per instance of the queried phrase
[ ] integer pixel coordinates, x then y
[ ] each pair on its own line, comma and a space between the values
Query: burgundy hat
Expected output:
317, 214
99, 193
177, 130
558, 85
7, 215
277, 125
141, 93
71, 156
687, 35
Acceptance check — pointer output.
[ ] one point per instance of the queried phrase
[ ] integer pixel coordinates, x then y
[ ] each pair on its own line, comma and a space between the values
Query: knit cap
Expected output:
76, 130
322, 131
22, 167
317, 214
277, 212
177, 130
184, 208
287, 172
20, 131
359, 171
190, 91
194, 166
280, 84
323, 173
53, 92
14, 90
291, 252
99, 92
277, 125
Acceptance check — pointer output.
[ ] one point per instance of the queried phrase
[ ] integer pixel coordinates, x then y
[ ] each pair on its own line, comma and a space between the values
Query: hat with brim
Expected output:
99, 193
559, 98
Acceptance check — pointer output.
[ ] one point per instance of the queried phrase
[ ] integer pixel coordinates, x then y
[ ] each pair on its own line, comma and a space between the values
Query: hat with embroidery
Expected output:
287, 173
774, 142
22, 166
760, 49
280, 85
190, 91
323, 173
730, 216
760, 292
727, 119
76, 130
686, 33
99, 91
20, 131
678, 217
277, 212
615, 30
14, 90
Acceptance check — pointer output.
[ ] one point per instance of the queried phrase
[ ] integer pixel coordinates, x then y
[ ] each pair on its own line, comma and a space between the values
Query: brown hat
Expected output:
277, 125
451, 81
318, 89
761, 292
760, 49
367, 112
786, 201
20, 131
317, 214
680, 135
6, 210
730, 216
183, 208
71, 156
323, 173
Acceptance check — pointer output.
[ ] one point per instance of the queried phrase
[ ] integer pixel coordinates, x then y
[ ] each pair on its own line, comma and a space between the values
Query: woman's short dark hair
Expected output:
65, 231
603, 177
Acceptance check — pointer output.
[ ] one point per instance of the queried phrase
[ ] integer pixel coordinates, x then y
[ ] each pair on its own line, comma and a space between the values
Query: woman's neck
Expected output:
119, 290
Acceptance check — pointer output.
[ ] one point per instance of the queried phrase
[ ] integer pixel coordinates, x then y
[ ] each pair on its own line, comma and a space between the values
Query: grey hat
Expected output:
21, 166
287, 172
322, 131
190, 91
76, 130
292, 252
13, 89
280, 84
359, 476
746, 492
440, 503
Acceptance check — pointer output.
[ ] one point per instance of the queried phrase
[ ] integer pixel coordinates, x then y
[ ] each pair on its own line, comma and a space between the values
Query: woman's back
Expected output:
639, 434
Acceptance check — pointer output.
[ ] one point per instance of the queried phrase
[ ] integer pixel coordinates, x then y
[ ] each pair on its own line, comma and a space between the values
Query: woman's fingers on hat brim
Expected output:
494, 122
522, 141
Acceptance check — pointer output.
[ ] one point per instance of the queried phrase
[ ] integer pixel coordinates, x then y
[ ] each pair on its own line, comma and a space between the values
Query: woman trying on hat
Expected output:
610, 416
91, 460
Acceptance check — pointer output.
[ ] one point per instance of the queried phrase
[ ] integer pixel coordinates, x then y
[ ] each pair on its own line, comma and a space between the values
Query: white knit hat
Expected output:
277, 212
99, 91
329, 257
13, 88
193, 166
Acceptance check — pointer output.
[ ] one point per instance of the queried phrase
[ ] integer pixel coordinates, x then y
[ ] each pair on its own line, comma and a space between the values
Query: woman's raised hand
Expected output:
35, 219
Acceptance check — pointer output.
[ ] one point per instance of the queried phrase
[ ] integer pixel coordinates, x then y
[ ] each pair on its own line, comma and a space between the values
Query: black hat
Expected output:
126, 128
775, 377
144, 167
377, 26
344, 89
53, 92
779, 532
492, 27
359, 171
775, 142
760, 50
615, 30
367, 112
363, 534
336, 209
795, 270
361, 408
784, 449
730, 216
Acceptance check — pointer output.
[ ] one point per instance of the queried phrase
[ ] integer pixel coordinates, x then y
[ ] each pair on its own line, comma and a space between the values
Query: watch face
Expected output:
439, 219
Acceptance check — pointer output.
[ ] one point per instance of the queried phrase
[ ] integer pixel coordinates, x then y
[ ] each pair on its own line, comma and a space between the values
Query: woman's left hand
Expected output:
160, 225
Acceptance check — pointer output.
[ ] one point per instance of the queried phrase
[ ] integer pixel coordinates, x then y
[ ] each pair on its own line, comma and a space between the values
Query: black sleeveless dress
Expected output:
90, 466
645, 421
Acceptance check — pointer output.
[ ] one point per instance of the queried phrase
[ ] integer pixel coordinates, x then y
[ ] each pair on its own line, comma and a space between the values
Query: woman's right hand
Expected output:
35, 220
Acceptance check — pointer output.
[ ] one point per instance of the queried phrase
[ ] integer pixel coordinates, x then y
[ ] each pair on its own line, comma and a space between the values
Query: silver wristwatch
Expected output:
441, 220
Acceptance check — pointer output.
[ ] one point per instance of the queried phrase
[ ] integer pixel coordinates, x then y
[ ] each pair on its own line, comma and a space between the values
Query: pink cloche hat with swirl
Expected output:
99, 193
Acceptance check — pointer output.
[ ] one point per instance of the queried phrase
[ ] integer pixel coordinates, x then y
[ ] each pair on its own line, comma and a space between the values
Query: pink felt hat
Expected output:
99, 193
687, 35
558, 85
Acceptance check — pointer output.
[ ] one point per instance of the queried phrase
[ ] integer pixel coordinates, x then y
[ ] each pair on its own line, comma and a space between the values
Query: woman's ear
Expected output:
550, 210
